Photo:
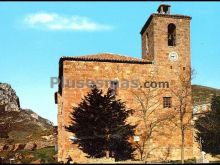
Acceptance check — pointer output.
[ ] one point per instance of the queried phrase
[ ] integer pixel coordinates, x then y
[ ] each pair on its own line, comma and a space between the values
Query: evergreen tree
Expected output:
208, 127
99, 124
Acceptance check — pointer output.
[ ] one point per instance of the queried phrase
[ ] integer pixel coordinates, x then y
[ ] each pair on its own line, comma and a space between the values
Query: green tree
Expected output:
208, 128
99, 124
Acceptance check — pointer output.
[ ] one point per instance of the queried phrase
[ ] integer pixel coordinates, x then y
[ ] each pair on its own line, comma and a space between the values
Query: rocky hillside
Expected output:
203, 94
21, 129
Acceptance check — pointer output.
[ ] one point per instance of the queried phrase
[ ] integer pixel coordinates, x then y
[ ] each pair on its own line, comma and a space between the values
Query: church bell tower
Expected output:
166, 38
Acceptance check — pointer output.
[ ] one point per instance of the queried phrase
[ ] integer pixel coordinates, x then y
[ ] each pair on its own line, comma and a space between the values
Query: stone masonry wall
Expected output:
81, 70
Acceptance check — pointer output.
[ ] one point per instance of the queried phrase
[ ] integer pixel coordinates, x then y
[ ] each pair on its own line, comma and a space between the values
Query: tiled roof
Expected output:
101, 57
106, 57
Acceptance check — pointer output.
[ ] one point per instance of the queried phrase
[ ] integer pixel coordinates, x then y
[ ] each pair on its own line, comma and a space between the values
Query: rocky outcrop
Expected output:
8, 99
32, 145
19, 147
21, 129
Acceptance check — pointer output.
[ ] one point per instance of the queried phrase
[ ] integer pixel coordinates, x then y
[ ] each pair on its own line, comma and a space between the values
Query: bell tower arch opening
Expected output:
171, 34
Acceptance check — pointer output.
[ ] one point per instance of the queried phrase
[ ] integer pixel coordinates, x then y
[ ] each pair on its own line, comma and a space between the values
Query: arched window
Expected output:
171, 35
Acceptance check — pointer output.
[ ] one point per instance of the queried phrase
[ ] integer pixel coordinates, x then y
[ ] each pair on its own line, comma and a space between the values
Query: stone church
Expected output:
164, 64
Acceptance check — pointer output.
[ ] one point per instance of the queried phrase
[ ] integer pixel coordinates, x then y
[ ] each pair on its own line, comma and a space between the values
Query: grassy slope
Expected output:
23, 128
44, 155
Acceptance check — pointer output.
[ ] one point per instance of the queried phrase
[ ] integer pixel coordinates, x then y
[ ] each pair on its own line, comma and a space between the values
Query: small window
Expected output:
171, 35
167, 102
184, 68
147, 44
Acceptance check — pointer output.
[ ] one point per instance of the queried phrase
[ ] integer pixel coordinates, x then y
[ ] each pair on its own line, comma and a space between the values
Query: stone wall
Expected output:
80, 70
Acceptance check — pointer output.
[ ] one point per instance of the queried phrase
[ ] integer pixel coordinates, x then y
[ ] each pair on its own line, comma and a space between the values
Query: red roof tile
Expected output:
106, 57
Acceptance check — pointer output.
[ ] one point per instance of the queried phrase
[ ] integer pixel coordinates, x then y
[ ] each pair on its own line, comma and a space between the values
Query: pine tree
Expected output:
208, 127
99, 124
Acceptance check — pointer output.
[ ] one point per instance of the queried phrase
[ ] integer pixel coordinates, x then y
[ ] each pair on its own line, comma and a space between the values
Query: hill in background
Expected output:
203, 94
23, 131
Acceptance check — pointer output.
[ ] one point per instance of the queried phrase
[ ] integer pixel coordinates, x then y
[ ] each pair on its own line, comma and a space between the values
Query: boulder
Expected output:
2, 147
44, 144
30, 146
50, 137
11, 147
7, 147
19, 147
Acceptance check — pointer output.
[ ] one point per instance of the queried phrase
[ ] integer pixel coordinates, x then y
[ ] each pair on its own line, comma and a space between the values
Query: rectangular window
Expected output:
167, 102
114, 86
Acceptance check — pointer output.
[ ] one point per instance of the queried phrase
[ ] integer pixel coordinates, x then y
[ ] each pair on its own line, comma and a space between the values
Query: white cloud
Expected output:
54, 21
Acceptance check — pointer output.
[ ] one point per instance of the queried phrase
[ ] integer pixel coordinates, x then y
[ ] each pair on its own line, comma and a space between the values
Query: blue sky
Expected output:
34, 35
